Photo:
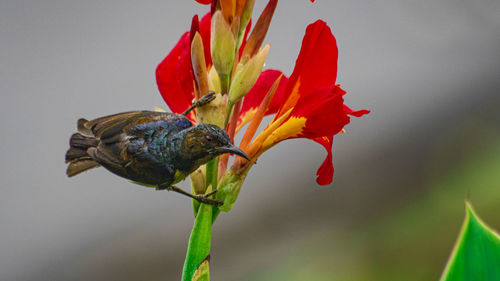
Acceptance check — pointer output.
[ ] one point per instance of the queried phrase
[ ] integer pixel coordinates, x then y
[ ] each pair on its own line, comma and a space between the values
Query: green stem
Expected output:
228, 113
212, 173
225, 81
199, 242
212, 179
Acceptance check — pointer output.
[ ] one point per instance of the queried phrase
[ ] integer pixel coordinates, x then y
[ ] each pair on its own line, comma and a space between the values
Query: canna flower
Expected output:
308, 105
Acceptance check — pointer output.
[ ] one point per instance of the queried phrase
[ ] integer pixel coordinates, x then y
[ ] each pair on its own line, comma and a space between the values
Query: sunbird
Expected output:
150, 148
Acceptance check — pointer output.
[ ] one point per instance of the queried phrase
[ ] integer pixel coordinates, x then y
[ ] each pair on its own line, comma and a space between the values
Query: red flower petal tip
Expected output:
206, 2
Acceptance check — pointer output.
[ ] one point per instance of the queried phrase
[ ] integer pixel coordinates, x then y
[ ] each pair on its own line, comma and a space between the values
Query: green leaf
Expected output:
476, 256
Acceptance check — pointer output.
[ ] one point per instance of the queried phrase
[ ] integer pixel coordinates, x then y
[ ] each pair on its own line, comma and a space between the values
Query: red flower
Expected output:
311, 106
307, 105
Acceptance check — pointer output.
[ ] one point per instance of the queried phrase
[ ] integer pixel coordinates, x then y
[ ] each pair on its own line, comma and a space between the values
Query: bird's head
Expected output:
204, 142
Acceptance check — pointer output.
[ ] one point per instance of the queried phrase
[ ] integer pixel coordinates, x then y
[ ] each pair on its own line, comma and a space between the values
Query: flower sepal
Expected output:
214, 112
229, 189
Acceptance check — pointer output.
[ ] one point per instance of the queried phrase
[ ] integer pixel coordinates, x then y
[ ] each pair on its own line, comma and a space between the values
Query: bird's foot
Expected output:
206, 99
201, 102
202, 198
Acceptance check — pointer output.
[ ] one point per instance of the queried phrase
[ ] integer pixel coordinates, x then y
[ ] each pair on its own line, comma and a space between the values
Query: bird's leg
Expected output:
200, 198
210, 193
201, 102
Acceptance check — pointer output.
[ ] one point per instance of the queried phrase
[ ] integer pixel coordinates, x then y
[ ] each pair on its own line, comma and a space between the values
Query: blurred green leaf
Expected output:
476, 255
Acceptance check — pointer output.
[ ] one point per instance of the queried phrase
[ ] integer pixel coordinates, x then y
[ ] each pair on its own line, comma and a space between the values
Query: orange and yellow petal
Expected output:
291, 128
318, 116
256, 95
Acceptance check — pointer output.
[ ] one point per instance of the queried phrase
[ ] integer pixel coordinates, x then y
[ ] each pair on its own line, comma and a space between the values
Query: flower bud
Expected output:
197, 179
246, 75
213, 80
222, 47
228, 8
259, 31
245, 17
198, 65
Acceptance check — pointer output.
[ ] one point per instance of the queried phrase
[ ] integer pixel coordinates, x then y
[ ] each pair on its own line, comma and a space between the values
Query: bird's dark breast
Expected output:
148, 162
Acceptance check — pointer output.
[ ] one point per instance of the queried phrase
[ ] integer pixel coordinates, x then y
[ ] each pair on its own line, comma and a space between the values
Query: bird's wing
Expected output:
108, 128
128, 143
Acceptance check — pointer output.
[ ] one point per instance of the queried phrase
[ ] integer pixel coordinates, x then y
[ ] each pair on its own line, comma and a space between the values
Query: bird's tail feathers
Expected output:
77, 157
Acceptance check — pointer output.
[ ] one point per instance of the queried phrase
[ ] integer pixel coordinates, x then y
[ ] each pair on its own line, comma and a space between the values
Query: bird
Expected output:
150, 148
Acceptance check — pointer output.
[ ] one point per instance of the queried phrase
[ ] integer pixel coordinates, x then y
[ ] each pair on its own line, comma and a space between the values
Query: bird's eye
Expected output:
208, 138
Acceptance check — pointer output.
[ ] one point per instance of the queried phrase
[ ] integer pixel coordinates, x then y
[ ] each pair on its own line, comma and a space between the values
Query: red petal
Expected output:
195, 26
325, 171
316, 65
205, 36
204, 2
174, 76
326, 115
355, 113
324, 111
266, 79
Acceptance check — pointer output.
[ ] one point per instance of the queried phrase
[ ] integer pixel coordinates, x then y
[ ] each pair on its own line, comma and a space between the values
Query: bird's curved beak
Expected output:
233, 149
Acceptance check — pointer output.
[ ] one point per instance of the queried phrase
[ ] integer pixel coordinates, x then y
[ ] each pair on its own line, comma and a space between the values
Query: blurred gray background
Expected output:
428, 70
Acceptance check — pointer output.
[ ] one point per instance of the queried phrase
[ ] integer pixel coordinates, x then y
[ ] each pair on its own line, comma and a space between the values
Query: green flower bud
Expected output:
222, 47
246, 75
197, 179
214, 80
245, 19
